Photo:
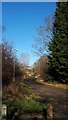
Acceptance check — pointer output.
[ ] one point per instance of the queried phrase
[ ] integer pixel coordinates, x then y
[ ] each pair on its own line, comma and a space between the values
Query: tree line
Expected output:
9, 59
52, 42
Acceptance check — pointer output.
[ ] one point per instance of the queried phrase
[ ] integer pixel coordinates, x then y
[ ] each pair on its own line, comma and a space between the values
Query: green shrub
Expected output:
27, 105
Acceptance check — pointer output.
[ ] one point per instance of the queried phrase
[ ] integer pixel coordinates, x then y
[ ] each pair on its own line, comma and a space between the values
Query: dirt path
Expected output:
56, 96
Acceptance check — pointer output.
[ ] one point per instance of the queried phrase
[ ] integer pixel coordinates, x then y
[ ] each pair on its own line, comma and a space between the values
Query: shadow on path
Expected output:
31, 80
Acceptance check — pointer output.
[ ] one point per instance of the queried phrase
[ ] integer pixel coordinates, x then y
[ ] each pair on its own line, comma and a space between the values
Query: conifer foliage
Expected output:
58, 59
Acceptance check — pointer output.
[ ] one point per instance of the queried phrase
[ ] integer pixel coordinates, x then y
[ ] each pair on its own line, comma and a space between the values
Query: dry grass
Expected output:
58, 85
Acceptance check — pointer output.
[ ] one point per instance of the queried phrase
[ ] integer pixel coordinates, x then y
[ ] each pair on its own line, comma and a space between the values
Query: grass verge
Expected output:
57, 85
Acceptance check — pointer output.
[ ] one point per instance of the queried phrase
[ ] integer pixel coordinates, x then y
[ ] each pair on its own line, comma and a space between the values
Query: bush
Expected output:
26, 105
8, 58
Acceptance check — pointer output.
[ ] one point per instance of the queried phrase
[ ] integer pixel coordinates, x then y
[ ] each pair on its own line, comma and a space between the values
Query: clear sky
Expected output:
21, 20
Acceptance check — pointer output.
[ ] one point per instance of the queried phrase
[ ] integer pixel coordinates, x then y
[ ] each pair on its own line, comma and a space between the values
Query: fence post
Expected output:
4, 111
50, 112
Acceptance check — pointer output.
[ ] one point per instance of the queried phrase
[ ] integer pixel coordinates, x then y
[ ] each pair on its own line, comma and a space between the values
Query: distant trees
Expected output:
25, 59
41, 67
58, 59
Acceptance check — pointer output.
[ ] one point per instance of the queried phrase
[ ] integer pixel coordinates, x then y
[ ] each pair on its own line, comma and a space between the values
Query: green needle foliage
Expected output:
58, 59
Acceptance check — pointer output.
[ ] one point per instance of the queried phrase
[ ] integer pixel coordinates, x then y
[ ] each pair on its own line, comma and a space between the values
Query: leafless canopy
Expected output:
45, 35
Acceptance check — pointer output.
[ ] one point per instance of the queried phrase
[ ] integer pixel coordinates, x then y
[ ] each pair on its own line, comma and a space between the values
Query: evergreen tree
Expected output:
58, 59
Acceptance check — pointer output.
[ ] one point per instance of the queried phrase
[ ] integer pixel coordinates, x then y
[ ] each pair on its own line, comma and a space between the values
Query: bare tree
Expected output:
25, 59
45, 35
41, 67
7, 63
8, 57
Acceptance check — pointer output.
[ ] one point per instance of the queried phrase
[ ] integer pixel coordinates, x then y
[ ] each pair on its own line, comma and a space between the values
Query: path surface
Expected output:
57, 96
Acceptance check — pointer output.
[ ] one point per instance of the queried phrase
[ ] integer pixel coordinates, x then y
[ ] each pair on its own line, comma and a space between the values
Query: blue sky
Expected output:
21, 20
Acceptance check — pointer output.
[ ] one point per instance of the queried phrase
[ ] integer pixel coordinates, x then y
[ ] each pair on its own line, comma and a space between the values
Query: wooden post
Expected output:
4, 111
50, 112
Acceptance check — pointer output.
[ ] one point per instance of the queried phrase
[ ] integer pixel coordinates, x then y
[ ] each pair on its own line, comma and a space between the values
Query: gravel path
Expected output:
56, 96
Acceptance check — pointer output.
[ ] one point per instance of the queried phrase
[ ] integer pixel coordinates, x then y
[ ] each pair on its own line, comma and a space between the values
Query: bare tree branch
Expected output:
45, 34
